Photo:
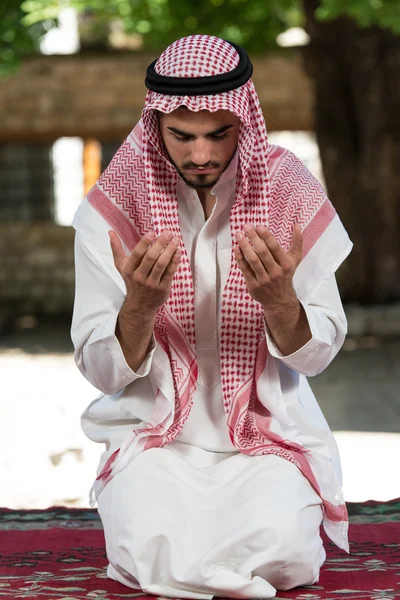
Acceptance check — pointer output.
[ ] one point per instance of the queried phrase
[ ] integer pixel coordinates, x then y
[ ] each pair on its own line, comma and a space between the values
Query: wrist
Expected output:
288, 327
138, 312
288, 304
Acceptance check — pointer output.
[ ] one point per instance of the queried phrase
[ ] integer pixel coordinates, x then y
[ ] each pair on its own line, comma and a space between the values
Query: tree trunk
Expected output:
356, 73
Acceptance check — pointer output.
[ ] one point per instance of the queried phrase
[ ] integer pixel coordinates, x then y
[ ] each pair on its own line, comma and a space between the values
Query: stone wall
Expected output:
36, 269
102, 96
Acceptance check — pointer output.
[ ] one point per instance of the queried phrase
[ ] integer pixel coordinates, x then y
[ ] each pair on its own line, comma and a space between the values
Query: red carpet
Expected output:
58, 554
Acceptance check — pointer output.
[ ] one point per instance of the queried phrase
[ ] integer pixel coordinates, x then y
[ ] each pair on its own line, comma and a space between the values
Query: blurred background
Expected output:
71, 88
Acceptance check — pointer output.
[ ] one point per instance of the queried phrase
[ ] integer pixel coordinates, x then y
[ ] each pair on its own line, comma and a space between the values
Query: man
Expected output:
199, 315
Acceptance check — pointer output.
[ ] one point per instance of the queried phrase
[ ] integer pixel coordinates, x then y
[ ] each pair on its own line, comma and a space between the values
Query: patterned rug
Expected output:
58, 554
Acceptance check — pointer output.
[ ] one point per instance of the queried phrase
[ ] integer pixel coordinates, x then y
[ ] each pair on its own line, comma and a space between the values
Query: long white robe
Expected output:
196, 518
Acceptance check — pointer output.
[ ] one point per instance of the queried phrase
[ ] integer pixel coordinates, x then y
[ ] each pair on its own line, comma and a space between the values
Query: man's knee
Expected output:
296, 568
298, 551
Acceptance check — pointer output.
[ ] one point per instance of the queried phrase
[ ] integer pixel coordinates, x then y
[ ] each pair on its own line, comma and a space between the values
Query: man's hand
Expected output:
268, 270
148, 273
149, 270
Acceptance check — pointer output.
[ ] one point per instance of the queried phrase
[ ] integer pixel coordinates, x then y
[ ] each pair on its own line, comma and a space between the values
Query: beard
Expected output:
200, 181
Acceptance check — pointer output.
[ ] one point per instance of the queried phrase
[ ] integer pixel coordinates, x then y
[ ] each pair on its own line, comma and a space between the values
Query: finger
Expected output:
274, 247
150, 257
171, 268
263, 251
117, 250
262, 267
296, 247
244, 266
140, 250
163, 261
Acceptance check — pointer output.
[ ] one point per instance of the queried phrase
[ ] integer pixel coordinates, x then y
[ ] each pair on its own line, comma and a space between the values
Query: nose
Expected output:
201, 152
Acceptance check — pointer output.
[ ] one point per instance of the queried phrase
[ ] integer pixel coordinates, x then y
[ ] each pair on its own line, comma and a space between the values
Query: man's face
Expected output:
200, 144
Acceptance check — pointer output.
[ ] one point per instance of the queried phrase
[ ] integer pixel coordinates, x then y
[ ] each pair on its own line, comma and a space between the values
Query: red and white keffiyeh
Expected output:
137, 194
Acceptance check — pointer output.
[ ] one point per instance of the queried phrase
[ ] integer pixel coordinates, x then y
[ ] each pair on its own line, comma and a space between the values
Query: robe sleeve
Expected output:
98, 299
328, 325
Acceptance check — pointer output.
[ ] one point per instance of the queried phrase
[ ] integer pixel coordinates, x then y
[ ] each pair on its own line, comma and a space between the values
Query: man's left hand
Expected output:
267, 268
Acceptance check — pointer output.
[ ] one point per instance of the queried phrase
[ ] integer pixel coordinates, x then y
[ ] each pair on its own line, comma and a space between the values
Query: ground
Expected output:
46, 460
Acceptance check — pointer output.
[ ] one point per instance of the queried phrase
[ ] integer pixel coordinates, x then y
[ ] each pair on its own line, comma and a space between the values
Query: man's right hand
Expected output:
148, 271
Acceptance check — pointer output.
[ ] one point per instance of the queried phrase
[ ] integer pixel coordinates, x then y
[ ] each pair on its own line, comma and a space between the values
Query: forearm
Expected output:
328, 326
98, 300
134, 332
288, 325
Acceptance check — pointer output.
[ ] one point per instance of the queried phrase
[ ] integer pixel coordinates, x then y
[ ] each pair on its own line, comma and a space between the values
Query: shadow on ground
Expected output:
37, 335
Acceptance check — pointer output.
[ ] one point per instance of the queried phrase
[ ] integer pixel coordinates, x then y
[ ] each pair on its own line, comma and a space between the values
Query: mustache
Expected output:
210, 165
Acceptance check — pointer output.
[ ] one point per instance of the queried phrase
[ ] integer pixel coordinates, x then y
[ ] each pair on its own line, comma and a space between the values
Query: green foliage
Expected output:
18, 39
252, 23
382, 13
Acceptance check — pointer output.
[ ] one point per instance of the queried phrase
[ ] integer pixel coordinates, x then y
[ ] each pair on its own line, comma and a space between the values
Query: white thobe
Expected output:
196, 518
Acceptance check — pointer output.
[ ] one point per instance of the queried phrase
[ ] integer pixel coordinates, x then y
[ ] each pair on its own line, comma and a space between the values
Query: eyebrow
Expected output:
186, 134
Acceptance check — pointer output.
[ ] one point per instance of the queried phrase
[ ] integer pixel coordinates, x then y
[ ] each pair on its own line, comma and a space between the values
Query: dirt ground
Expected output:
46, 460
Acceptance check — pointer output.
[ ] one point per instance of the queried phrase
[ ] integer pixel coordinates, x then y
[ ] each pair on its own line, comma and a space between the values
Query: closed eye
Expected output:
180, 139
215, 138
218, 138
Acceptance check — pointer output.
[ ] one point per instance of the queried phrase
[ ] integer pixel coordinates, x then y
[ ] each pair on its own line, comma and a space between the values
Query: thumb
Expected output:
117, 249
296, 247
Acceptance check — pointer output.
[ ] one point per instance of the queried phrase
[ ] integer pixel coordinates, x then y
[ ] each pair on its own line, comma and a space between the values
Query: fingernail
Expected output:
239, 235
248, 227
152, 235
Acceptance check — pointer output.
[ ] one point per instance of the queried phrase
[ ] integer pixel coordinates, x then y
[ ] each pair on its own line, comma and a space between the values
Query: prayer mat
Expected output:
58, 554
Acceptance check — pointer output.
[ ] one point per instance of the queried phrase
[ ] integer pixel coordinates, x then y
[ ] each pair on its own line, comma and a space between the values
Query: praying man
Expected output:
205, 296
